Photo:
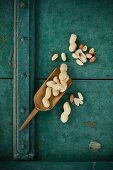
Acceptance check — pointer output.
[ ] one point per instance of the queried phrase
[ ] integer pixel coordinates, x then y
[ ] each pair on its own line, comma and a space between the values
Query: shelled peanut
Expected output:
63, 57
55, 57
78, 100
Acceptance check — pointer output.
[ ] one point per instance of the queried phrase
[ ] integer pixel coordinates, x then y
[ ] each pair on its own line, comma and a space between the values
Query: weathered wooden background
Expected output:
54, 141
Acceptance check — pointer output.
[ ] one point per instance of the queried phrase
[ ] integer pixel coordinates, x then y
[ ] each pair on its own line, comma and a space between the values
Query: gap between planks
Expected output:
77, 79
6, 78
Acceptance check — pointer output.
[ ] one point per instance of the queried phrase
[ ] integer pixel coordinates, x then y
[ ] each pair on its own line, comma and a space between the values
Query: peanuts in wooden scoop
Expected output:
56, 80
50, 83
45, 102
55, 92
57, 85
63, 75
63, 82
64, 87
48, 92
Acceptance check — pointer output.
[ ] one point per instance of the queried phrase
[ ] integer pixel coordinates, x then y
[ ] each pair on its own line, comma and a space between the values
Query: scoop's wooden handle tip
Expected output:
21, 128
30, 117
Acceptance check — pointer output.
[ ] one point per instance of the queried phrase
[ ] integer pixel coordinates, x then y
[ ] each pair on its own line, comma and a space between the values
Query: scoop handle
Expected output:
30, 117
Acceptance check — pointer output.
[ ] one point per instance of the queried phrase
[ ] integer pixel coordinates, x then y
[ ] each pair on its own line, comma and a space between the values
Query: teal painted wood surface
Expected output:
70, 142
6, 119
55, 165
6, 38
23, 142
55, 21
90, 20
6, 85
54, 140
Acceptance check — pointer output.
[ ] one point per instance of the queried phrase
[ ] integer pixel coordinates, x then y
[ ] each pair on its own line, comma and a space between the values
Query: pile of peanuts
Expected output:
81, 55
77, 100
59, 84
56, 86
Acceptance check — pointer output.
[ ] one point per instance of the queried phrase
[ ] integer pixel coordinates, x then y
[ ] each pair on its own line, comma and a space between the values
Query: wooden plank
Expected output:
6, 38
35, 165
70, 142
23, 142
6, 118
91, 21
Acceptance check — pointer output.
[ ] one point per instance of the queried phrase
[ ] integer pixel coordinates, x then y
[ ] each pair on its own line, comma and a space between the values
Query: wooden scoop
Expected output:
39, 96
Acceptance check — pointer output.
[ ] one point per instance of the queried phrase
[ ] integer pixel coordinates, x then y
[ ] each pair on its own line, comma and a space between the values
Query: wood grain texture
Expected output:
55, 21
91, 21
6, 119
6, 39
56, 141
